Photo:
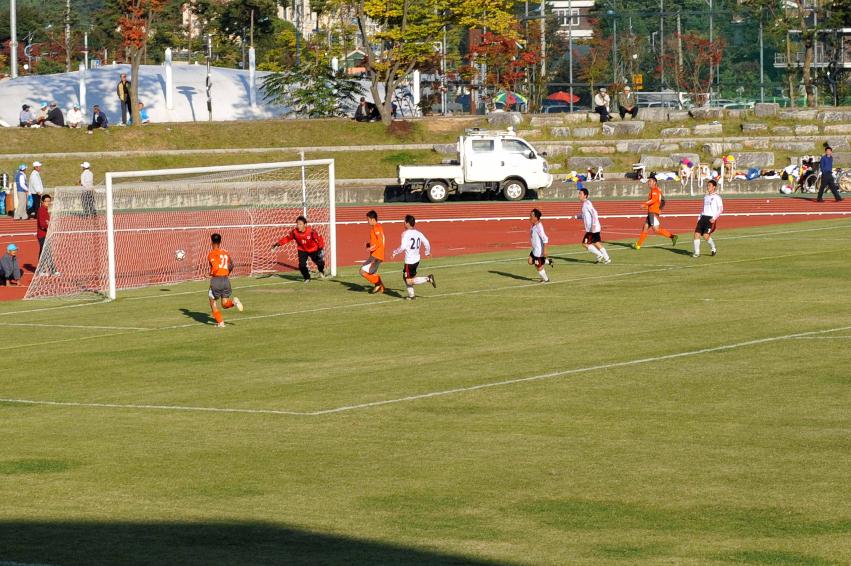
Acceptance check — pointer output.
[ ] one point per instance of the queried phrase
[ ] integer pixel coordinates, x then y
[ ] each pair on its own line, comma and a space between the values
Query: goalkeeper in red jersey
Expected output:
309, 244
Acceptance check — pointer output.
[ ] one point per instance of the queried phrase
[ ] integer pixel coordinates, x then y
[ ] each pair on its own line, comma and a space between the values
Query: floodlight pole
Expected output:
13, 42
570, 49
209, 78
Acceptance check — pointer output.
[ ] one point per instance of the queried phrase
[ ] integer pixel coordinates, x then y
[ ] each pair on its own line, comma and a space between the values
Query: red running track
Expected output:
476, 227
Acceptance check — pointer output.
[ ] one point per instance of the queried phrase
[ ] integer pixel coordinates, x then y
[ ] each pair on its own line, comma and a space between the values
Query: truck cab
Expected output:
488, 162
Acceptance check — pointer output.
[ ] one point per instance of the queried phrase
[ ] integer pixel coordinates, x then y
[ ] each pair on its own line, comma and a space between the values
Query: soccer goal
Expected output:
127, 233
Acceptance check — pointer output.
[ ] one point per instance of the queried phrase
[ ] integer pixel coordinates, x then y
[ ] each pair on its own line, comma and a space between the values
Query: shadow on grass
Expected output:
363, 288
678, 251
572, 259
202, 317
190, 544
513, 276
620, 244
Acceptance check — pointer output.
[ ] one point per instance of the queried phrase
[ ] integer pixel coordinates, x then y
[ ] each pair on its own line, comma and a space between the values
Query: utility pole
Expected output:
570, 49
761, 64
13, 42
679, 50
711, 65
662, 40
543, 40
615, 49
67, 36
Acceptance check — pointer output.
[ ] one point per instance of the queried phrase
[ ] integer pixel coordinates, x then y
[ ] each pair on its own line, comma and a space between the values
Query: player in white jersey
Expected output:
713, 206
412, 241
592, 239
539, 240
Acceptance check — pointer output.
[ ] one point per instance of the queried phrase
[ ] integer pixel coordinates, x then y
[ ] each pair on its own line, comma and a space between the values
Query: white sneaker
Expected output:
220, 325
695, 255
599, 259
238, 304
607, 261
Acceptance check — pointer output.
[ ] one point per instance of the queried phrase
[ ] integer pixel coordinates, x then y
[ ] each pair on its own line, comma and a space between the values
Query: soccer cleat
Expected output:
695, 255
410, 298
238, 304
549, 261
431, 280
599, 259
674, 240
220, 325
307, 280
713, 253
607, 261
377, 289
636, 246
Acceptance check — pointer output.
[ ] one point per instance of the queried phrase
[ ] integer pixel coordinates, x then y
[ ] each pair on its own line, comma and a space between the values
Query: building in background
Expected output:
573, 16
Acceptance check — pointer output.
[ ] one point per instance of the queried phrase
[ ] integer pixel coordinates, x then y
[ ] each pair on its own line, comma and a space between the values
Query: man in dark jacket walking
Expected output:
123, 92
827, 180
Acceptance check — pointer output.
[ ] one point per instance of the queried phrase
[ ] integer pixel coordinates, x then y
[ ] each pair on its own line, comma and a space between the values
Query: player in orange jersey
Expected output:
369, 271
653, 204
221, 265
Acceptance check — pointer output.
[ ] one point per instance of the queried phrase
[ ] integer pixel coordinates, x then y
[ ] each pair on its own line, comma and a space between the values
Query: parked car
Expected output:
563, 109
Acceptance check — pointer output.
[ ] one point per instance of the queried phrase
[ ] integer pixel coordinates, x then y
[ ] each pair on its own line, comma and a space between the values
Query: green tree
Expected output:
311, 90
408, 33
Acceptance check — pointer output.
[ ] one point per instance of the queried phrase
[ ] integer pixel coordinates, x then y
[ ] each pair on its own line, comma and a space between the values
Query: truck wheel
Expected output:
513, 189
437, 191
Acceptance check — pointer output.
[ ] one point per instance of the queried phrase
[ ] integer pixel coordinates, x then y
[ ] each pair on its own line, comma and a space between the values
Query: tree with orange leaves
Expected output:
506, 58
135, 25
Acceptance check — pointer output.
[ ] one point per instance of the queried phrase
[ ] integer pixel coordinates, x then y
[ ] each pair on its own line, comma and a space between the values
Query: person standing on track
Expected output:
713, 206
654, 204
221, 266
369, 271
309, 244
539, 240
412, 241
592, 239
825, 165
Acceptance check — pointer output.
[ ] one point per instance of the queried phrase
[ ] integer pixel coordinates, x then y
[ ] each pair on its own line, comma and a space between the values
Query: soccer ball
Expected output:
179, 255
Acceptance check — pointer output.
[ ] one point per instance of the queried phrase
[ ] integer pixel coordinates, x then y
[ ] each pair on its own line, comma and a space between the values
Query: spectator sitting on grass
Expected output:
366, 111
55, 119
26, 118
99, 120
41, 117
10, 271
74, 119
143, 115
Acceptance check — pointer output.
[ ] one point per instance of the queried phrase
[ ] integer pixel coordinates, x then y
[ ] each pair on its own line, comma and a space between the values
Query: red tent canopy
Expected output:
563, 97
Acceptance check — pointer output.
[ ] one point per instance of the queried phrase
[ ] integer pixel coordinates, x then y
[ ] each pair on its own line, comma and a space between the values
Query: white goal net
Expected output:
127, 233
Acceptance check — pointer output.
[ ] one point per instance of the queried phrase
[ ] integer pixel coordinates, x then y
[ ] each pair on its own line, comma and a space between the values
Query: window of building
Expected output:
568, 17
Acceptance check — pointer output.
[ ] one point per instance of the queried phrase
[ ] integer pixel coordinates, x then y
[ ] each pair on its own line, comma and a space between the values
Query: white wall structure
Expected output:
231, 98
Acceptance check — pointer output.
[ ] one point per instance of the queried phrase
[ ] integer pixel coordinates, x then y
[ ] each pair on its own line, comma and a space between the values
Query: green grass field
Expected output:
659, 410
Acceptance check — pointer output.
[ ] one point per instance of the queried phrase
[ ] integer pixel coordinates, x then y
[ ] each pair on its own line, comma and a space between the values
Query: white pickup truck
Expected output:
488, 161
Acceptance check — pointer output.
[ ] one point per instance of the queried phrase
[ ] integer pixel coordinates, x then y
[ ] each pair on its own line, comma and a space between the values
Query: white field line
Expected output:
439, 393
531, 284
441, 220
74, 326
602, 216
822, 337
439, 266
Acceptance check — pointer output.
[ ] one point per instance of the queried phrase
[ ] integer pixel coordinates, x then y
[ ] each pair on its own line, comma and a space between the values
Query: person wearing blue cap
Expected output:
21, 192
10, 271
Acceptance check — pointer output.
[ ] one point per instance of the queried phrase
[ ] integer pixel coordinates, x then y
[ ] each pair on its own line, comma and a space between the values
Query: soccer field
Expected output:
661, 409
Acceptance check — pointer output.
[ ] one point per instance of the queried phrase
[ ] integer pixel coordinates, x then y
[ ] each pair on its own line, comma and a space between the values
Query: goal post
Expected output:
125, 234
